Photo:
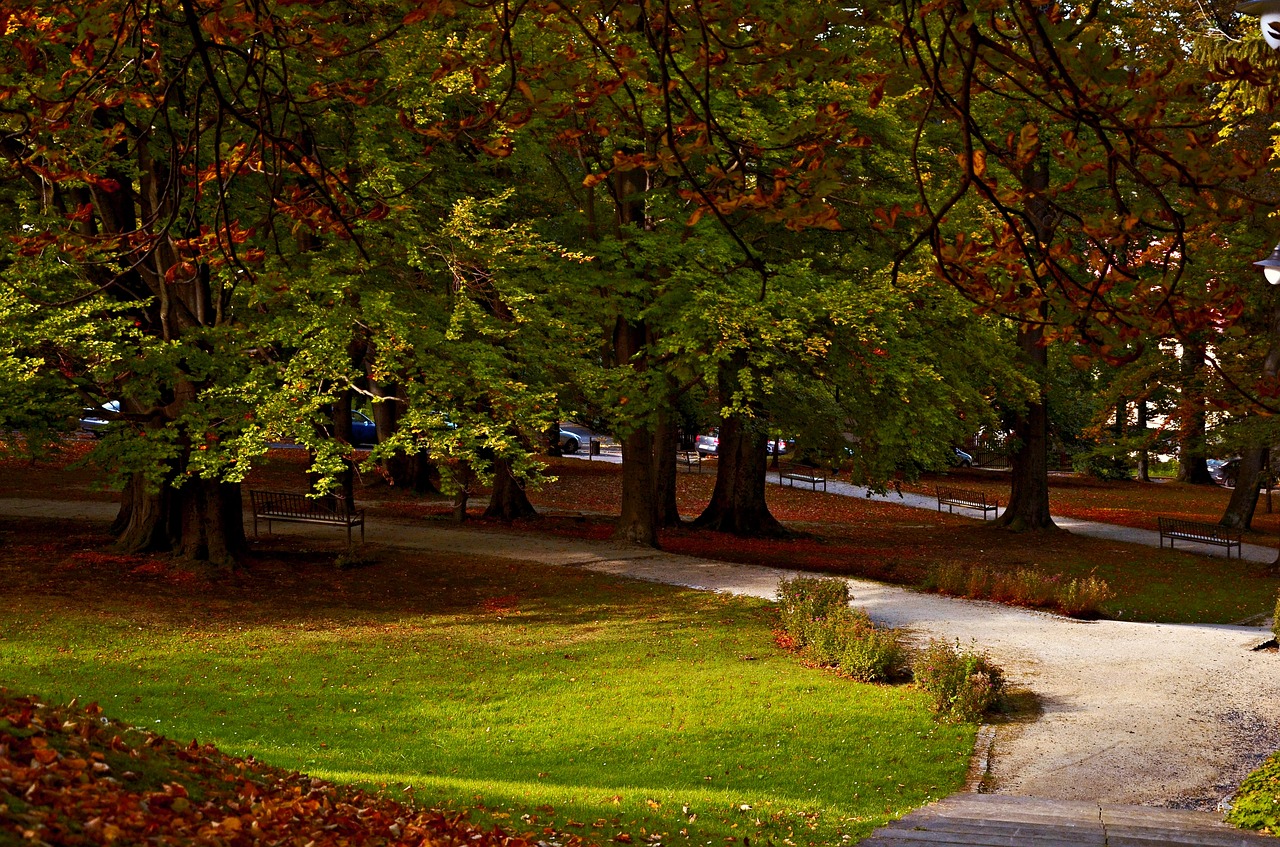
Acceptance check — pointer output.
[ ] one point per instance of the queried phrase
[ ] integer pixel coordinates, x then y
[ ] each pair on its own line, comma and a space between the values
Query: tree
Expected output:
1088, 183
162, 145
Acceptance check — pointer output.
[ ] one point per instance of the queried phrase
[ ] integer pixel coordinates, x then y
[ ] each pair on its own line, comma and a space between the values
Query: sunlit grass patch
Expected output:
536, 697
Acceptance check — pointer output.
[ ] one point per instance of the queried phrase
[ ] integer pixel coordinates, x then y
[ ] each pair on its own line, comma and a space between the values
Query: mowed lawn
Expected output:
534, 697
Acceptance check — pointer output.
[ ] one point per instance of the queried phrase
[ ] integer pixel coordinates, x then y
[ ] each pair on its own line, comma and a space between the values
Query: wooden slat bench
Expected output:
1201, 533
299, 508
811, 477
690, 459
966, 499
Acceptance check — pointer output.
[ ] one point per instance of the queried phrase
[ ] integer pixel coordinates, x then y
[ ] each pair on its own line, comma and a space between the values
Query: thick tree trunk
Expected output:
147, 521
212, 522
1192, 465
738, 503
414, 472
666, 440
1029, 490
200, 522
1244, 497
1028, 507
638, 523
508, 501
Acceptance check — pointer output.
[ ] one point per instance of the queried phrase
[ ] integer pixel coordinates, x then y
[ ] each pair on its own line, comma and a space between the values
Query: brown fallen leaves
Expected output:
69, 776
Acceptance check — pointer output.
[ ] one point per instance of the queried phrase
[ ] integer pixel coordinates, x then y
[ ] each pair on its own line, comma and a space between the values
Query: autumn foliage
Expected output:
70, 776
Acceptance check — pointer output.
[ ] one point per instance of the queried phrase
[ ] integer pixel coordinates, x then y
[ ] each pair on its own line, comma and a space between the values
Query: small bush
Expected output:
1081, 597
979, 583
1084, 597
948, 578
962, 684
869, 653
817, 620
1275, 623
807, 598
1030, 587
1102, 466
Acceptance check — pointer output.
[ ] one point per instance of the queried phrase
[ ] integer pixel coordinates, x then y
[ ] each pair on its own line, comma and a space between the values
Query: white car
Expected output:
575, 437
709, 445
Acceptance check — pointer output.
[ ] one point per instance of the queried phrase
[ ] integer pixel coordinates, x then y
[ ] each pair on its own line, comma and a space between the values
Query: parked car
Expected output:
1224, 472
709, 445
96, 420
575, 437
960, 459
363, 430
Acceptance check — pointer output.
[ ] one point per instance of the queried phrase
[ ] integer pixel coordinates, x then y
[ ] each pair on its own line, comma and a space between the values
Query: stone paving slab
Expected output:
992, 820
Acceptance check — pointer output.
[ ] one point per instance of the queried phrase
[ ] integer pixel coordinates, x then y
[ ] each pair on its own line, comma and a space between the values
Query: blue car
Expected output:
363, 430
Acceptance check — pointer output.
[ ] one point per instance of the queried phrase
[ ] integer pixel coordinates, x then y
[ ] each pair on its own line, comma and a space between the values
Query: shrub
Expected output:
807, 598
961, 684
1024, 587
869, 653
817, 619
1100, 465
979, 583
1030, 587
1084, 597
948, 578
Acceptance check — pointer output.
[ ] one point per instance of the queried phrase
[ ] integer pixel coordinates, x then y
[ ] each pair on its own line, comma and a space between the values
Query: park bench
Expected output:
966, 499
690, 459
299, 508
792, 475
1201, 533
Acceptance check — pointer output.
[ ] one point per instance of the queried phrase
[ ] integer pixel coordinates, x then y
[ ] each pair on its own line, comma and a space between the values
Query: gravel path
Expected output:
1154, 714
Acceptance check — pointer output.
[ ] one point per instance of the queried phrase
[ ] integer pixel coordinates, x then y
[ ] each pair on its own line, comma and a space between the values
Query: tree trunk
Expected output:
147, 521
1244, 497
1144, 454
200, 522
738, 500
1029, 487
1192, 465
212, 522
1029, 490
508, 501
666, 440
638, 523
1254, 462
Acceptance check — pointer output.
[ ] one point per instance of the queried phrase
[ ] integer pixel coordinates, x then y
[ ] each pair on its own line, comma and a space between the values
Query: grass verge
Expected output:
533, 697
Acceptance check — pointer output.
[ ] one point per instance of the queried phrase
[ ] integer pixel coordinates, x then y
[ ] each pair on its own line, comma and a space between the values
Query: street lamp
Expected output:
1269, 13
1271, 266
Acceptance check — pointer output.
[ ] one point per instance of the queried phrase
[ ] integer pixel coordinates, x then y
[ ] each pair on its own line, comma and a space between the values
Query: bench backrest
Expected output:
1198, 528
292, 504
962, 495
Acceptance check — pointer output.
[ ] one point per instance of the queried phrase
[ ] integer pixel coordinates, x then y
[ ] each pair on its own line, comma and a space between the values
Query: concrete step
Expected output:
995, 820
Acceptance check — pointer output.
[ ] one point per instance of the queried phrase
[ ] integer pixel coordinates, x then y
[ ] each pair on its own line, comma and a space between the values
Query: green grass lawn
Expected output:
535, 696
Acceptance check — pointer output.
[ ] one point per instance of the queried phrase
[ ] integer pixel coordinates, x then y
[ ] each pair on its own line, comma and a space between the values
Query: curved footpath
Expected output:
1152, 714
